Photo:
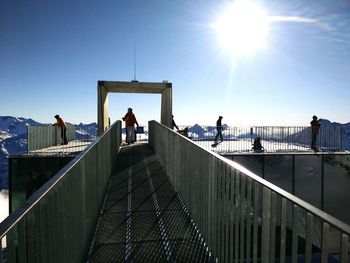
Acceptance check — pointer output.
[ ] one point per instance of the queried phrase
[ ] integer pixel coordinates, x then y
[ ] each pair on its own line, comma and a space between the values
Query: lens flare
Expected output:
243, 28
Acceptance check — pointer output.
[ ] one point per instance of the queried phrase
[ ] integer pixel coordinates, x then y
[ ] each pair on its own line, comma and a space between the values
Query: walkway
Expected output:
143, 219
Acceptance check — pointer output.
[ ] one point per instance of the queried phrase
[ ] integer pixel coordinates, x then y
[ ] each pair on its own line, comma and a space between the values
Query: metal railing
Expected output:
243, 217
47, 140
311, 177
274, 138
56, 223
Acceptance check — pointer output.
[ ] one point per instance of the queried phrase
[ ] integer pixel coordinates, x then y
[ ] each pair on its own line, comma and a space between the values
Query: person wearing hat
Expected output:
315, 128
219, 129
63, 126
130, 121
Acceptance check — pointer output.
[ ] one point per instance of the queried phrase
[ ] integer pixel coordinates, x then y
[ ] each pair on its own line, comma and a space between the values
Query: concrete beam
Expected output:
104, 87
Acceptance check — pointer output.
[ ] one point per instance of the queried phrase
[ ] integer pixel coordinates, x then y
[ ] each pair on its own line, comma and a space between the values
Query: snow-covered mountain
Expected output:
85, 131
13, 139
13, 126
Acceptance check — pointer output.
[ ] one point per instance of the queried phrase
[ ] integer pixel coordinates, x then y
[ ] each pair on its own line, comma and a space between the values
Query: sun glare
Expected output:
243, 28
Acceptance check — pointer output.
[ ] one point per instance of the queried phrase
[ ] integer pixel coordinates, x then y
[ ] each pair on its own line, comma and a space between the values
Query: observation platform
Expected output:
72, 148
143, 218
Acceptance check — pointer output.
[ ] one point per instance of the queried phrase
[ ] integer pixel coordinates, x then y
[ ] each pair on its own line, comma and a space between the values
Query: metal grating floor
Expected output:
143, 219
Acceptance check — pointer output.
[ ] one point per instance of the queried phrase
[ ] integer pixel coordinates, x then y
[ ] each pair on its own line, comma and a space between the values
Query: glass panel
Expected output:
336, 186
279, 171
253, 163
308, 179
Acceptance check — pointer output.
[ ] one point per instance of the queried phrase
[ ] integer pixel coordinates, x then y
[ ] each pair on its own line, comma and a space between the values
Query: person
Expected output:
173, 124
219, 129
130, 121
315, 128
63, 126
257, 147
183, 132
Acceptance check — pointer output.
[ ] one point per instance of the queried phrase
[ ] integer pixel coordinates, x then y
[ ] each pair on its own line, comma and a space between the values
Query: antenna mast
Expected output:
134, 61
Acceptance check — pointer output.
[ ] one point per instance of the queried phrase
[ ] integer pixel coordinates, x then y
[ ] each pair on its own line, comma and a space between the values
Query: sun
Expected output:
243, 28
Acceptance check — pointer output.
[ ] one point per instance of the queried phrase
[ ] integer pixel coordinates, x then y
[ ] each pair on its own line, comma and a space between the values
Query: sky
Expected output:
52, 53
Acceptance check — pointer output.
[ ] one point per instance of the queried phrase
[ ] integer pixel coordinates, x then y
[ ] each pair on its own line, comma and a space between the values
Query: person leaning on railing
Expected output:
63, 126
315, 128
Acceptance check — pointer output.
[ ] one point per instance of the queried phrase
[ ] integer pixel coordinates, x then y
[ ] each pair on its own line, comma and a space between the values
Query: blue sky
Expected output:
52, 53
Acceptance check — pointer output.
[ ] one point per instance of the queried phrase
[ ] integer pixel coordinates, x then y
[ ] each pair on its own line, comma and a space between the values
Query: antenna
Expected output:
134, 61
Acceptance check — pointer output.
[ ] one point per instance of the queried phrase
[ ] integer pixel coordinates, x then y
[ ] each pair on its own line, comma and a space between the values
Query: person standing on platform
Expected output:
173, 124
130, 121
219, 129
315, 129
63, 126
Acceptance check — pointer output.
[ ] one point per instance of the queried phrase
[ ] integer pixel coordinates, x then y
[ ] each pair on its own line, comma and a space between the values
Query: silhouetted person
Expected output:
257, 147
130, 121
315, 128
173, 124
183, 132
63, 126
219, 129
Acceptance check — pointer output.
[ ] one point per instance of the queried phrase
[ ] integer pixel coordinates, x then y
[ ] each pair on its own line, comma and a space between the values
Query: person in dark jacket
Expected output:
219, 130
63, 126
315, 129
257, 147
173, 124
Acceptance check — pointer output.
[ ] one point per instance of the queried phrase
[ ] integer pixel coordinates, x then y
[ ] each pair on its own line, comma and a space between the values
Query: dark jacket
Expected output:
219, 125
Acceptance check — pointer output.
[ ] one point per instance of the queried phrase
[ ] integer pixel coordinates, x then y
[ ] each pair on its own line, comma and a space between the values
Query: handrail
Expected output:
200, 166
273, 138
14, 217
98, 155
44, 136
296, 200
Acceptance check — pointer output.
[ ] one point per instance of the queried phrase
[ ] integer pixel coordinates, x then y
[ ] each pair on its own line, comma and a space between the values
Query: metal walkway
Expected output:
143, 219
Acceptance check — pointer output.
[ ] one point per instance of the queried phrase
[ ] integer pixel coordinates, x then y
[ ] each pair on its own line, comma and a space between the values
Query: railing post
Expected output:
295, 233
308, 237
266, 225
325, 233
344, 248
283, 230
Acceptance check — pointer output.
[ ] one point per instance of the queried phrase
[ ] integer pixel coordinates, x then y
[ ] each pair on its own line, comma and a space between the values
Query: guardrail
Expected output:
44, 136
46, 139
243, 217
56, 223
311, 177
274, 138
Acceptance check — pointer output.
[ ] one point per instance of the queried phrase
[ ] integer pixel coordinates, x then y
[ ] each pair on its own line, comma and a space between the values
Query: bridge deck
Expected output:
143, 219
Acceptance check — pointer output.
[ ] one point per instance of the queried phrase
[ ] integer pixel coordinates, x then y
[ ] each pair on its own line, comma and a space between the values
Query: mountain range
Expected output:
13, 136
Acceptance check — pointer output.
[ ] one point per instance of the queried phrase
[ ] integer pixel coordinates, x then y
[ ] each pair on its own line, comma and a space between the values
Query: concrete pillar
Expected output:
166, 107
102, 107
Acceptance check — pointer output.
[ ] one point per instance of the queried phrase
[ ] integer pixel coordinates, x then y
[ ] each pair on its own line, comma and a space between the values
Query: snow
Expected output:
4, 135
4, 204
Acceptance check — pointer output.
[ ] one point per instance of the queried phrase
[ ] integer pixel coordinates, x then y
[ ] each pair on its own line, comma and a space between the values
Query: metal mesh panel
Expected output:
143, 218
112, 228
